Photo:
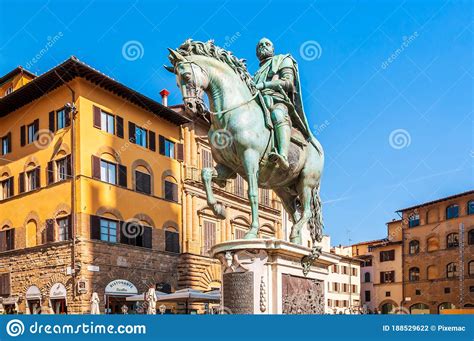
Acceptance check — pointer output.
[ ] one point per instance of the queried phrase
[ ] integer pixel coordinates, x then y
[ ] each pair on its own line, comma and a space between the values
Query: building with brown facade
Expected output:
426, 263
438, 254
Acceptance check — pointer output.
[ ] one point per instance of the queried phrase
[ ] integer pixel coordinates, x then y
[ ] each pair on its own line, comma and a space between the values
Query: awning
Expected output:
141, 297
121, 287
191, 295
33, 293
57, 291
10, 300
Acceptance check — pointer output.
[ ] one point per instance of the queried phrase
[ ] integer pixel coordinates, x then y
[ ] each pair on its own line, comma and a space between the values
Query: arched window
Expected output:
452, 240
171, 240
142, 180
470, 207
445, 305
452, 211
470, 268
432, 216
31, 230
432, 244
414, 274
419, 308
470, 237
414, 247
170, 188
8, 238
432, 272
451, 270
367, 277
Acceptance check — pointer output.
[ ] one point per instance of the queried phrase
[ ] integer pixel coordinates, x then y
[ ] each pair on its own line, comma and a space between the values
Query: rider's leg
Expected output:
282, 126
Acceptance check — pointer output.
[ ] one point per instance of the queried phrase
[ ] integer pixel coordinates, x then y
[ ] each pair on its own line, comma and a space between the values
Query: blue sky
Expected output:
388, 91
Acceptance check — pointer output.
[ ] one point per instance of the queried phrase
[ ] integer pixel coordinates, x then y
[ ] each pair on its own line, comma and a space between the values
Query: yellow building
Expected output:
90, 200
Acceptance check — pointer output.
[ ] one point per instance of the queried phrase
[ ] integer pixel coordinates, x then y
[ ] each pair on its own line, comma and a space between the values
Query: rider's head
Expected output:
264, 49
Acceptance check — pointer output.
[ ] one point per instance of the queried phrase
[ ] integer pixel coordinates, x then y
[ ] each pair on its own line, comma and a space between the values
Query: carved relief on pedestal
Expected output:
302, 295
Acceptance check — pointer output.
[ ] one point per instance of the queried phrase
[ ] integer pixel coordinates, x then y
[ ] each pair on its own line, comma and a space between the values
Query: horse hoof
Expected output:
219, 211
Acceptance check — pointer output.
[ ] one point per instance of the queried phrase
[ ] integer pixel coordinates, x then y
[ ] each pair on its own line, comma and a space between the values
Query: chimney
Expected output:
164, 97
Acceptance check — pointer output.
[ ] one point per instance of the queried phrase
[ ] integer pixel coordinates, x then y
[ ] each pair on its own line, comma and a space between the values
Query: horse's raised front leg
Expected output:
251, 161
219, 174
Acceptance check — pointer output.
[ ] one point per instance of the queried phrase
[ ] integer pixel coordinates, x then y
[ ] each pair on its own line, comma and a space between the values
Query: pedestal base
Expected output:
265, 276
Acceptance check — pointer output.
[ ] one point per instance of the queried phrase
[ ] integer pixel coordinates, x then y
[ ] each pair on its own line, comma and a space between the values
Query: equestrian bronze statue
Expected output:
258, 129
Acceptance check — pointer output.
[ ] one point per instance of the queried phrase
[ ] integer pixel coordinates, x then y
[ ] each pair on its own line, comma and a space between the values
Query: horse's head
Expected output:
191, 79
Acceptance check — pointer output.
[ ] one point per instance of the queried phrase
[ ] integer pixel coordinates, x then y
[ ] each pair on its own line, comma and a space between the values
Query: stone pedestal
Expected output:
265, 276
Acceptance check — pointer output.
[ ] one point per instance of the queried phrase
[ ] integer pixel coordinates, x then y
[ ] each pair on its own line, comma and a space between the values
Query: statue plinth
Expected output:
265, 276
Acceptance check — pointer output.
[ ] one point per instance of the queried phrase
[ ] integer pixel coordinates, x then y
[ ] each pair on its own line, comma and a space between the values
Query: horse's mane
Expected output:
209, 49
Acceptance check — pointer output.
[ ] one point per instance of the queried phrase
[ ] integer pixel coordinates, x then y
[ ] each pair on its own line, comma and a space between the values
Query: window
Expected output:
387, 276
447, 290
388, 294
345, 287
206, 159
354, 271
354, 289
470, 237
335, 269
9, 90
367, 296
344, 270
414, 274
387, 255
61, 168
141, 137
470, 268
451, 270
63, 229
108, 230
239, 186
209, 235
108, 172
107, 122
452, 212
471, 288
6, 188
32, 131
265, 197
142, 182
452, 240
171, 191
6, 144
61, 119
414, 247
172, 241
166, 147
239, 233
417, 292
32, 179
7, 239
470, 207
367, 277
414, 220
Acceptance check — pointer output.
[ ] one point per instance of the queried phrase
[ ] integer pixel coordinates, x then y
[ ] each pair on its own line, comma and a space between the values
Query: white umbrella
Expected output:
191, 295
151, 298
95, 304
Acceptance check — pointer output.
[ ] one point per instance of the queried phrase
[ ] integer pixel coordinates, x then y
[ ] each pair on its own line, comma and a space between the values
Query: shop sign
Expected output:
121, 287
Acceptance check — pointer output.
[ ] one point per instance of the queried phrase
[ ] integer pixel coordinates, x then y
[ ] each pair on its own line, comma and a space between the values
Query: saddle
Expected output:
297, 136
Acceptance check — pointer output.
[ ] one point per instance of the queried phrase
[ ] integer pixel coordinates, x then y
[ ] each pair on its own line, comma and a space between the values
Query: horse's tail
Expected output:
316, 220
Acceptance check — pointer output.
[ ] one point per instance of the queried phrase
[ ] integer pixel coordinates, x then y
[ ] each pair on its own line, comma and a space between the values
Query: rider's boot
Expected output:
283, 136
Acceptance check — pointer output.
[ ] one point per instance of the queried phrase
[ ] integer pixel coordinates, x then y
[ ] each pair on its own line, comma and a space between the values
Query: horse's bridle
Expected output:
199, 101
